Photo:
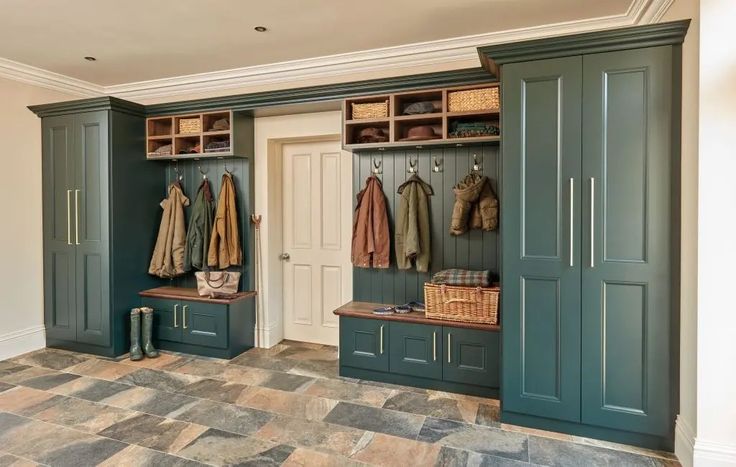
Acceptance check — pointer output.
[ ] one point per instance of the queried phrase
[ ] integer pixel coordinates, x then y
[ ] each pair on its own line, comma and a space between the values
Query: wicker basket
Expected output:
473, 99
370, 110
190, 125
469, 304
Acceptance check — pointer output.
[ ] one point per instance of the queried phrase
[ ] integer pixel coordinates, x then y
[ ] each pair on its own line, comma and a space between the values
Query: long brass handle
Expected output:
381, 340
176, 309
184, 316
68, 217
592, 222
434, 346
76, 215
449, 347
572, 207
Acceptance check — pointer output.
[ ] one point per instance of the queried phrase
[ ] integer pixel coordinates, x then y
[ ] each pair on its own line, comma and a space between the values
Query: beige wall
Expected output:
21, 252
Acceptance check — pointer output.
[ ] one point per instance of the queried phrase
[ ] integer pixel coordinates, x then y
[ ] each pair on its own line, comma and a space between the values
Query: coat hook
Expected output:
204, 173
437, 165
476, 165
178, 174
377, 167
413, 166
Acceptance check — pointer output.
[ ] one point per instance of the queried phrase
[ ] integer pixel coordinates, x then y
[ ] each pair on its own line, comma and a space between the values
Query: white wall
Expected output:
21, 252
715, 443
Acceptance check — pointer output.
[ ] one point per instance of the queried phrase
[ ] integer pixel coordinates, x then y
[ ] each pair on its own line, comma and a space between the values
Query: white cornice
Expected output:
460, 50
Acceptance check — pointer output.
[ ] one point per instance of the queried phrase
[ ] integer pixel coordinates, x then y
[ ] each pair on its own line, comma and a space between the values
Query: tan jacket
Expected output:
476, 205
168, 255
371, 243
412, 225
225, 250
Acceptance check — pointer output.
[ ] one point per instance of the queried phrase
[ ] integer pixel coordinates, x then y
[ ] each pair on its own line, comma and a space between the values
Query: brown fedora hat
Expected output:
420, 132
372, 135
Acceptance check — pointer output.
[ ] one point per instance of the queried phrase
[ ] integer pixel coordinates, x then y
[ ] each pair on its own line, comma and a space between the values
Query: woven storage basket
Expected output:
469, 304
473, 99
190, 125
370, 110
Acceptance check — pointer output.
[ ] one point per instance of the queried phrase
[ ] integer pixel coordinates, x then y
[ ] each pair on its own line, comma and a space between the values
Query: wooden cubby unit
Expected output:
214, 140
396, 124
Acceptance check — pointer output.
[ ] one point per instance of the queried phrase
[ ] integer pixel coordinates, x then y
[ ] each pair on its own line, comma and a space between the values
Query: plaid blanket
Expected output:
463, 277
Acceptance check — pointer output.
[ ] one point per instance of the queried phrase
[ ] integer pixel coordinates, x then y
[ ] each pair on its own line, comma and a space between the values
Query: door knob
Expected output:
285, 256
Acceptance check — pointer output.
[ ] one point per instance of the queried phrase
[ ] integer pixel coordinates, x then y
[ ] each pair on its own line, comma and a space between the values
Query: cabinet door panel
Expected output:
166, 326
90, 202
416, 350
540, 202
204, 324
59, 256
626, 314
470, 356
364, 343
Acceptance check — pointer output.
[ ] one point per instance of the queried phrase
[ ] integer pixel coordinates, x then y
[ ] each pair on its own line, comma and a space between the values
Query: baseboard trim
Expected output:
22, 341
713, 454
684, 441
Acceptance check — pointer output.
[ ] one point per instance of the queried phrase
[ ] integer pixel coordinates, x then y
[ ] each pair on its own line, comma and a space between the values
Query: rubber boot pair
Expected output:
138, 348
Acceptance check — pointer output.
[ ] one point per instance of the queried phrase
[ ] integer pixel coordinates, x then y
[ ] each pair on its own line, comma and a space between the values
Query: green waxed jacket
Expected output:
412, 225
200, 229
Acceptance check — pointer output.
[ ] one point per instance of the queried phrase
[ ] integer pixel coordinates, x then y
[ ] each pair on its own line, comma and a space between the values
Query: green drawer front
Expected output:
470, 356
364, 343
166, 326
416, 350
204, 324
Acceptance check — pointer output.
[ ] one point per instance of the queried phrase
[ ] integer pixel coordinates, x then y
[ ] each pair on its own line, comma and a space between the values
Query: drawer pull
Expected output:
176, 309
434, 346
381, 340
184, 316
449, 347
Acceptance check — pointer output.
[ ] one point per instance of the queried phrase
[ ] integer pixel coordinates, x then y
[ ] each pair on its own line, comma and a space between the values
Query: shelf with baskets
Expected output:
458, 115
199, 136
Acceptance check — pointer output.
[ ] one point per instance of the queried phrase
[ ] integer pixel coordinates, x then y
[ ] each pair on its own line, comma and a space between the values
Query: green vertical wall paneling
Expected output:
473, 250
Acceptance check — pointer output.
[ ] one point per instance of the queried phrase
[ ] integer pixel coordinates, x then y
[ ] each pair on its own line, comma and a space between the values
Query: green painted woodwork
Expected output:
473, 250
626, 349
540, 275
415, 349
204, 324
166, 319
470, 356
609, 40
88, 105
364, 343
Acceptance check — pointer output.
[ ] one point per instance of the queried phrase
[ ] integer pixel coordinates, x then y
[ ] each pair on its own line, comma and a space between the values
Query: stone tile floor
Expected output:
279, 406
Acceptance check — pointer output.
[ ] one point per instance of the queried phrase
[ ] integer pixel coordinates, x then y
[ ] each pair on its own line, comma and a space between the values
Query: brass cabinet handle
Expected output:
592, 222
572, 203
176, 308
434, 346
68, 217
381, 340
184, 316
449, 347
76, 215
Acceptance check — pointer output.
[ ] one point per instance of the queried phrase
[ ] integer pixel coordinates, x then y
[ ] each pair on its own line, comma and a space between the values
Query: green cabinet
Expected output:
470, 356
415, 349
587, 268
363, 343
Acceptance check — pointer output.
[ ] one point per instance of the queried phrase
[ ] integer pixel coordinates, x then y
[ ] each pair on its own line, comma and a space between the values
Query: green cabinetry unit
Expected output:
412, 350
589, 228
185, 322
94, 190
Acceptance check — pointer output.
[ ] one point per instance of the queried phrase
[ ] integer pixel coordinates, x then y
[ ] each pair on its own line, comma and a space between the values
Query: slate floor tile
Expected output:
161, 403
265, 362
160, 380
7, 367
90, 389
302, 457
317, 369
9, 460
102, 369
375, 419
551, 452
223, 448
490, 441
52, 359
24, 401
315, 435
451, 457
165, 359
288, 403
388, 450
153, 432
81, 415
434, 405
488, 415
5, 386
350, 392
90, 451
29, 372
36, 440
215, 390
225, 417
8, 422
286, 382
143, 457
49, 381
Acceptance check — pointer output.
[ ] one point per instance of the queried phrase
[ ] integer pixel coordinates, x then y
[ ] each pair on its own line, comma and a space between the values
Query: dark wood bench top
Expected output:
365, 310
182, 293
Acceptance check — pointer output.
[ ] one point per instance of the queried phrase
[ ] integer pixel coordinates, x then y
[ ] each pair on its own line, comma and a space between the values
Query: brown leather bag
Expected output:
217, 284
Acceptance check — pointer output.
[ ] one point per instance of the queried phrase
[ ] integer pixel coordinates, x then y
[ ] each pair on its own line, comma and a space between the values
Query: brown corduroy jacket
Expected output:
225, 250
371, 242
476, 205
168, 255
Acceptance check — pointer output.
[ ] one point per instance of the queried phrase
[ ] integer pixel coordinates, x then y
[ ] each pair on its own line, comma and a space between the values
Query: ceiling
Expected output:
139, 40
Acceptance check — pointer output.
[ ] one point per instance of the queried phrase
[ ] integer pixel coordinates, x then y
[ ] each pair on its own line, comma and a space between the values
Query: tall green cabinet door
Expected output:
627, 310
540, 205
91, 227
58, 228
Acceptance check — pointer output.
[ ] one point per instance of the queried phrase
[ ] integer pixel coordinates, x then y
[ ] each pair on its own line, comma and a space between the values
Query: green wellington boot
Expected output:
147, 332
135, 335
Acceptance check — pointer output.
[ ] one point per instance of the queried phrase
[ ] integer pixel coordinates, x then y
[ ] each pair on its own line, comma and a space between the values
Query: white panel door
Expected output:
317, 232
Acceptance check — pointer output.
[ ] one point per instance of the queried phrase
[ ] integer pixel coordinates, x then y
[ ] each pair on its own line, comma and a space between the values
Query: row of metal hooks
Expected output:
414, 164
203, 173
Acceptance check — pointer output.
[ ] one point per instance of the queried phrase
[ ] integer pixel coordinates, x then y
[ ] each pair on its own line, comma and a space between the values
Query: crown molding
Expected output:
458, 51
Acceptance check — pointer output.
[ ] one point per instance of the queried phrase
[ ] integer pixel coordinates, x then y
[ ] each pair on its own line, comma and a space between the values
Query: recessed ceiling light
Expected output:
90, 59
260, 28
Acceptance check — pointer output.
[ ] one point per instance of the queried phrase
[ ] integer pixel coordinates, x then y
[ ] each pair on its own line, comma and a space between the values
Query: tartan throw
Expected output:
463, 277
